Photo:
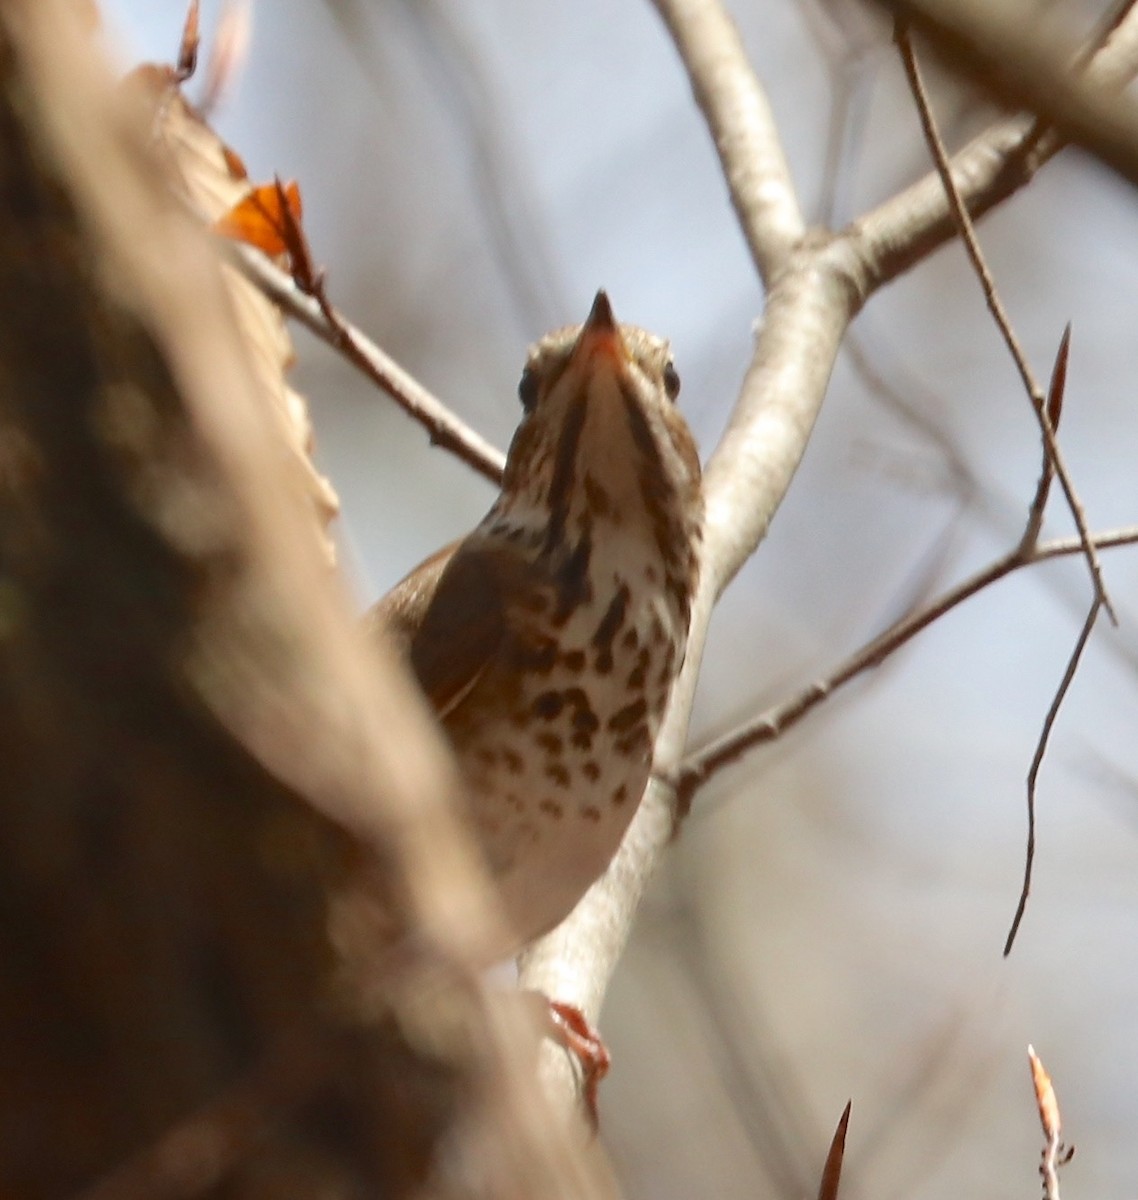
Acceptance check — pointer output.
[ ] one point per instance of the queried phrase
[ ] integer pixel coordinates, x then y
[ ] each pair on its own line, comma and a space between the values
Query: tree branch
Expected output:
1035, 395
999, 46
993, 166
205, 762
814, 288
808, 309
741, 123
1037, 763
700, 766
329, 325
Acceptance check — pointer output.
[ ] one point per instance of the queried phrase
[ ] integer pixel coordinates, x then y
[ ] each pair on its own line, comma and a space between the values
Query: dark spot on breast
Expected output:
582, 740
551, 808
638, 677
631, 714
612, 620
548, 705
591, 770
513, 760
591, 812
574, 660
631, 638
551, 743
538, 656
603, 664
620, 795
514, 801
635, 741
585, 721
558, 774
651, 574
486, 755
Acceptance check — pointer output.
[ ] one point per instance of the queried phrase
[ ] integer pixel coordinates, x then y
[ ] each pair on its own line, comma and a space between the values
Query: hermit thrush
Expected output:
548, 639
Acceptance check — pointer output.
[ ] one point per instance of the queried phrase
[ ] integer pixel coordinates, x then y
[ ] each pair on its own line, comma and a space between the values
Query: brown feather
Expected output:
459, 611
399, 614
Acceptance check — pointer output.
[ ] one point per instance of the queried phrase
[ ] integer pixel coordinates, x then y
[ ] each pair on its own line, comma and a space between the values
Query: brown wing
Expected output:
399, 614
451, 616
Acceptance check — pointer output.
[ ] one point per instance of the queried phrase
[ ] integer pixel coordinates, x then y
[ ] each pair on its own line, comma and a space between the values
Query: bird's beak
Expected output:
600, 335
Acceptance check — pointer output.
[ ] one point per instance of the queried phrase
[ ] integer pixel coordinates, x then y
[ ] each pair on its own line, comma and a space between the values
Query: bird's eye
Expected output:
671, 380
528, 388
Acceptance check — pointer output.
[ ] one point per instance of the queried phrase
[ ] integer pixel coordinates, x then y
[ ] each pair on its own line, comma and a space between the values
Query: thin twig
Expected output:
699, 766
996, 307
327, 323
1037, 763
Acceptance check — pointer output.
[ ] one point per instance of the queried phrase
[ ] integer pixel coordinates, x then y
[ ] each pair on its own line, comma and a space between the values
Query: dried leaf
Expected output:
259, 219
191, 39
213, 180
235, 163
1045, 1098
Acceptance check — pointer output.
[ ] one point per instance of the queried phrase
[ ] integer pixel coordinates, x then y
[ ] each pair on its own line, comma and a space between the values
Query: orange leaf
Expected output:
260, 220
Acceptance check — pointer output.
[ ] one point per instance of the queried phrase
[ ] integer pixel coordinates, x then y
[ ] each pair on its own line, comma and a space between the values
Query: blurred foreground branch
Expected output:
203, 763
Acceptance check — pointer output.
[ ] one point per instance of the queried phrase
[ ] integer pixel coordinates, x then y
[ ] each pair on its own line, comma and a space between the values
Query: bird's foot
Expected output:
569, 1028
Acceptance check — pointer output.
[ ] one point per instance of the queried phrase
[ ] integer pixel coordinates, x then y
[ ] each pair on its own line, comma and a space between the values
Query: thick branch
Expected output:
198, 745
739, 117
814, 289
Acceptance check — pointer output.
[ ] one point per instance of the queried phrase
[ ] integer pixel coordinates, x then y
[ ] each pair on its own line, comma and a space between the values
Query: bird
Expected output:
548, 639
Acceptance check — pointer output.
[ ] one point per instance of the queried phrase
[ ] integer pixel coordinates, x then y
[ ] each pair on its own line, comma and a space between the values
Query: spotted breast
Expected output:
549, 638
